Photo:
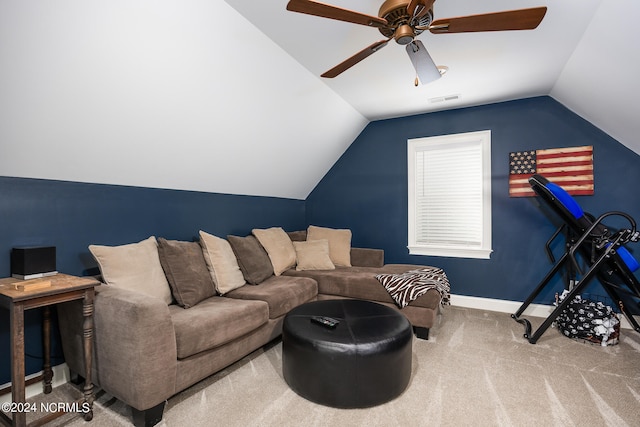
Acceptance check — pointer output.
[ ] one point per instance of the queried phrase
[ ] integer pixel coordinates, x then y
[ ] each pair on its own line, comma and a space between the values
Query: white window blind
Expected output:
449, 195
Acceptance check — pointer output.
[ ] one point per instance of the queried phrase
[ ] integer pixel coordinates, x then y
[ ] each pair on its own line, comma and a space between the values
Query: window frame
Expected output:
442, 142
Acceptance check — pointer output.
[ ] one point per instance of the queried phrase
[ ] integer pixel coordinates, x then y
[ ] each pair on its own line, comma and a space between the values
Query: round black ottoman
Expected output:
364, 361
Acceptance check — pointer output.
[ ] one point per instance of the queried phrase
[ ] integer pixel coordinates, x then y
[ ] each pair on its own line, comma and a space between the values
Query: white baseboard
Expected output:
505, 306
60, 376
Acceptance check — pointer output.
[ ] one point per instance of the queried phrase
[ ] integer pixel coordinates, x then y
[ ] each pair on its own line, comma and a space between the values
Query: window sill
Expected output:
450, 252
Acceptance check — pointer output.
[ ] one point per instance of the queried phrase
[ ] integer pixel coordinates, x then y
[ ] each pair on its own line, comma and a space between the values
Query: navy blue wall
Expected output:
71, 216
366, 190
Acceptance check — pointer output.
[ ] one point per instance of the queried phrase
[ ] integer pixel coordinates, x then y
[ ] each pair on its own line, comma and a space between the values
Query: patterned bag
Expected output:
588, 320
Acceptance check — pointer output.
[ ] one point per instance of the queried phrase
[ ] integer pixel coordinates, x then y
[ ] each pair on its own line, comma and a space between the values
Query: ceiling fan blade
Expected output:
350, 62
417, 8
333, 12
521, 19
425, 67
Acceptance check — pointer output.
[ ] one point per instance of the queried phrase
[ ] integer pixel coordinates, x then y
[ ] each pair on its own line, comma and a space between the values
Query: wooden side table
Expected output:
20, 295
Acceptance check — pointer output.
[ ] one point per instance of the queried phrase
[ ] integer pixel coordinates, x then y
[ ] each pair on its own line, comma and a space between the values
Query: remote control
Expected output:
327, 322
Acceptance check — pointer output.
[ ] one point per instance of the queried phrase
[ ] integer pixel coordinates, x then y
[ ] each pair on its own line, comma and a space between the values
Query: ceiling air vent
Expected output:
444, 99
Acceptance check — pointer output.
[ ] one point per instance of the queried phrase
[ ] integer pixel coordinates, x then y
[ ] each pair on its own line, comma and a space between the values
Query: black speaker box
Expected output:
33, 262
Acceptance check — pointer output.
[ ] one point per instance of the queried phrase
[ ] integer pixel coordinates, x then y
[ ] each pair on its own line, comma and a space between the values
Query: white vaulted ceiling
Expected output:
225, 96
584, 54
162, 93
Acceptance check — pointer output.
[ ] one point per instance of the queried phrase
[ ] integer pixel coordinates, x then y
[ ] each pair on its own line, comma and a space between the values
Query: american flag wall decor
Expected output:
571, 168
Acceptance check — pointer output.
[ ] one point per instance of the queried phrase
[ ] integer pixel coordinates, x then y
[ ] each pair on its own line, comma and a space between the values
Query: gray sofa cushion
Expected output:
297, 236
361, 283
215, 322
252, 258
361, 257
186, 270
282, 293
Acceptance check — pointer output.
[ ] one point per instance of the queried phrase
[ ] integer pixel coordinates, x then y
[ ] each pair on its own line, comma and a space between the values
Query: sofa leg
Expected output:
422, 333
149, 417
75, 379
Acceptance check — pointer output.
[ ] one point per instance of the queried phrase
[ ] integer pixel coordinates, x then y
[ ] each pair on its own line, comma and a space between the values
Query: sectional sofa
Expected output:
171, 313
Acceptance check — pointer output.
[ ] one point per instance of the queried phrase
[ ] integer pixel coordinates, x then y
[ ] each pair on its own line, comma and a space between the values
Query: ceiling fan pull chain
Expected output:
416, 82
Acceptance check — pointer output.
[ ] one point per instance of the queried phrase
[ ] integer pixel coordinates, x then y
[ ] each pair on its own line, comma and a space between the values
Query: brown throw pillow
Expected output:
186, 271
253, 260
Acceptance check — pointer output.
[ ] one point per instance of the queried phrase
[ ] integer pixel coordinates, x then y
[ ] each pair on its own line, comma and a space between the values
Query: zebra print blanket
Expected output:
408, 286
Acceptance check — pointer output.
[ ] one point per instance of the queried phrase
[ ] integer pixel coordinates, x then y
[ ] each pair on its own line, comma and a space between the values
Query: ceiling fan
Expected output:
404, 20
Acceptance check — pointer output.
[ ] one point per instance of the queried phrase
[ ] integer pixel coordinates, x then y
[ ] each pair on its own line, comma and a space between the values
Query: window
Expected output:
450, 195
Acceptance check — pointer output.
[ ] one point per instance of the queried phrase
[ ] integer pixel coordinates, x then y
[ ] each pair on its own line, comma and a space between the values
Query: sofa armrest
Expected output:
135, 347
362, 257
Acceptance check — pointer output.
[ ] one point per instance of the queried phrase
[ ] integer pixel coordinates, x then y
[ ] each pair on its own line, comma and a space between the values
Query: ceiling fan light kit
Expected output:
426, 69
404, 20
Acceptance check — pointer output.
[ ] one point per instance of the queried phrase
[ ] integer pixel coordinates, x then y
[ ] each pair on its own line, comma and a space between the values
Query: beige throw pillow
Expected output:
313, 255
135, 266
221, 262
279, 248
339, 243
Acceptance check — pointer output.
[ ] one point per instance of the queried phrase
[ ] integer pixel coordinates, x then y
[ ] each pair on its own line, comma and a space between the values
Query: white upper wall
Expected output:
600, 81
169, 94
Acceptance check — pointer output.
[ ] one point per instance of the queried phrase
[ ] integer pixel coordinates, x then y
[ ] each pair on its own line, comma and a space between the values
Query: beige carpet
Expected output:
476, 370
